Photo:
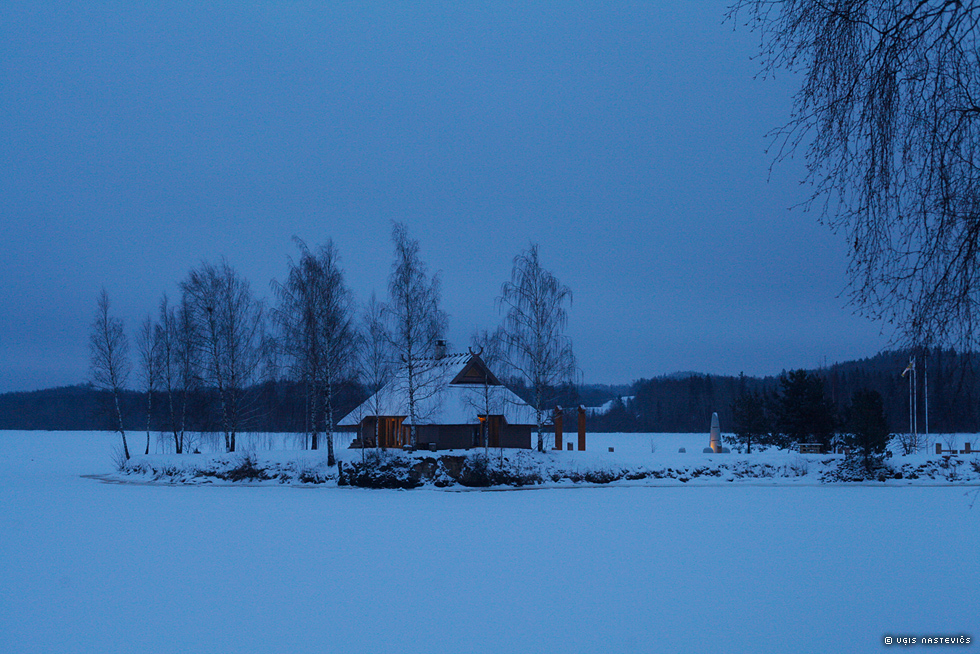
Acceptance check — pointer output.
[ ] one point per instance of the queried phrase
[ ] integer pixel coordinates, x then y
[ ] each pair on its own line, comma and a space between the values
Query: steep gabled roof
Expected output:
454, 390
476, 372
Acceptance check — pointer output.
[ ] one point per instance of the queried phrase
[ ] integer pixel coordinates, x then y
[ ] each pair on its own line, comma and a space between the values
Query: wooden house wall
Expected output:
446, 437
390, 432
516, 436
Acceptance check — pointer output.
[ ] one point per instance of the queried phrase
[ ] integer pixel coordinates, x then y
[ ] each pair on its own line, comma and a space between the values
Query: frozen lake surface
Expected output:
87, 566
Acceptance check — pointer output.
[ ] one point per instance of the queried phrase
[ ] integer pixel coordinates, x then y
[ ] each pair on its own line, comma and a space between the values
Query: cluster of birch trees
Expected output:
219, 340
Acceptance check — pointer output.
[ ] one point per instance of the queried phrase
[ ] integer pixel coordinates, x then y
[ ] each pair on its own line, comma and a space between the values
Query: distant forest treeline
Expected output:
268, 407
684, 403
673, 403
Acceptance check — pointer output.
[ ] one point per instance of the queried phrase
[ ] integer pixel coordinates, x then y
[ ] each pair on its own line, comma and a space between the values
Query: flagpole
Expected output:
925, 362
907, 370
915, 398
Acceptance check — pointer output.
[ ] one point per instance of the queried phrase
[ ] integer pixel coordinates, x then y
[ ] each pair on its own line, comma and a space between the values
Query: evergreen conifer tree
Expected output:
867, 427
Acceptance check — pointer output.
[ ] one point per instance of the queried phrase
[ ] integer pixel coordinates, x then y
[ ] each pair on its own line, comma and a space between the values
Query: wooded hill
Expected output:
681, 402
684, 402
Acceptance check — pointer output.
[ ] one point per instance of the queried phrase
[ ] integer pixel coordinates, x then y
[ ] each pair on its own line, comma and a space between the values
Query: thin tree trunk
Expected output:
183, 421
308, 427
413, 437
122, 432
540, 432
314, 417
173, 416
224, 418
149, 410
233, 419
328, 418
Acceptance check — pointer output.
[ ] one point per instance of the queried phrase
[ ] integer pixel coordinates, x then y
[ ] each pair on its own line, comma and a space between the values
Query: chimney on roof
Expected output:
440, 349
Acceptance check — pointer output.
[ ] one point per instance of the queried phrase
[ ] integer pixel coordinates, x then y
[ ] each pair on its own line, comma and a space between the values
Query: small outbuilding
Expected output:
455, 395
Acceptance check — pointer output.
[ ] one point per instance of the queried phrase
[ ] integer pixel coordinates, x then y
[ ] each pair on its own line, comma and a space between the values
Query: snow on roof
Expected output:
607, 406
440, 401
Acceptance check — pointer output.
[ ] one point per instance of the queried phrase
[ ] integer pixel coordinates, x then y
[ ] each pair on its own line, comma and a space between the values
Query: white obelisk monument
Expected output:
715, 434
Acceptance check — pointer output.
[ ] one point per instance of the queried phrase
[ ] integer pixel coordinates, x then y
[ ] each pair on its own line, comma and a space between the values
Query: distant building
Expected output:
457, 393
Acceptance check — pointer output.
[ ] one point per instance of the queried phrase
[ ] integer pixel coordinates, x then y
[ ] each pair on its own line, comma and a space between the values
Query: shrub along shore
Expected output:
527, 469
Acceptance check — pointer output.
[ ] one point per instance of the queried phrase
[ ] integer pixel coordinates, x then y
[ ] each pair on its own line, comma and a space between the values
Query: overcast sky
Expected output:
626, 138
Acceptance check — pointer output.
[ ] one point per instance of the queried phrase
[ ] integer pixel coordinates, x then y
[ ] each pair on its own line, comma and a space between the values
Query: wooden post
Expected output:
558, 428
581, 428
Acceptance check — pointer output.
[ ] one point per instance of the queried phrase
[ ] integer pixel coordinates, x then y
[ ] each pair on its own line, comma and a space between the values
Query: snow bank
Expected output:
635, 460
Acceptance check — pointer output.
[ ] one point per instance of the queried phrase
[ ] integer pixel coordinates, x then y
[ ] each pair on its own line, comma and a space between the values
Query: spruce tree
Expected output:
867, 427
804, 414
751, 421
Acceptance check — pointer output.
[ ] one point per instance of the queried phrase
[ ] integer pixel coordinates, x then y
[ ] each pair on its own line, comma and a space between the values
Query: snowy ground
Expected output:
87, 566
620, 459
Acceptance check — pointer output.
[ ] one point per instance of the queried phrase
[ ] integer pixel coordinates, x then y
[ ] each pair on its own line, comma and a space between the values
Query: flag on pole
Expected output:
909, 367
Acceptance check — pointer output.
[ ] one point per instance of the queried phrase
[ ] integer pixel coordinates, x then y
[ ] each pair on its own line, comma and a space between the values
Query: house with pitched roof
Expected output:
459, 404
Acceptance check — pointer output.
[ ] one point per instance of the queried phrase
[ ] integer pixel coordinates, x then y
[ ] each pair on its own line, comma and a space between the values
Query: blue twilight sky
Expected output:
627, 138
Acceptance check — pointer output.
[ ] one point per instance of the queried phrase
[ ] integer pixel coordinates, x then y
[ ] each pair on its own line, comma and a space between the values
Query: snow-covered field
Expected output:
87, 566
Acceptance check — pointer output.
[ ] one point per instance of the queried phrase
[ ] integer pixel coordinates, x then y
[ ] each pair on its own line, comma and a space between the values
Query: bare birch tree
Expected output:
229, 327
166, 337
538, 350
271, 373
177, 365
888, 115
316, 315
415, 321
148, 359
109, 363
375, 360
188, 364
338, 334
487, 398
297, 315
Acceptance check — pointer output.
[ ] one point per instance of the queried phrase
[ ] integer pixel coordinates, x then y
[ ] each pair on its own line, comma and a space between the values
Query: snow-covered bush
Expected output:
247, 470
